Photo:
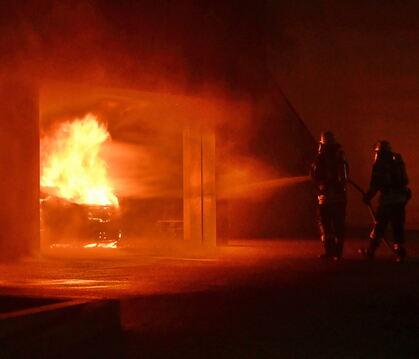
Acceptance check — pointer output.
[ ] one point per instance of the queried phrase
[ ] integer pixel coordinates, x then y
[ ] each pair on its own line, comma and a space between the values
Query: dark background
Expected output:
352, 67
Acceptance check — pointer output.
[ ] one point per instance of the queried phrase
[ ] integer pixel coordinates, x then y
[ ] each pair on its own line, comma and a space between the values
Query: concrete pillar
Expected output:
199, 203
19, 167
208, 189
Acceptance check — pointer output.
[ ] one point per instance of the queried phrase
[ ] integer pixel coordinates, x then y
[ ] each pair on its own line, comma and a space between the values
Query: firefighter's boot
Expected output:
400, 252
369, 253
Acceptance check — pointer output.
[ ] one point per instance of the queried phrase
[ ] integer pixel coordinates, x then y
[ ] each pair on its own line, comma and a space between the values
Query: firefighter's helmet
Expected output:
327, 138
382, 146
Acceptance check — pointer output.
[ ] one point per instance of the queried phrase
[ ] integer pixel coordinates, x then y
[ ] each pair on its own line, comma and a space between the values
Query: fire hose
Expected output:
372, 212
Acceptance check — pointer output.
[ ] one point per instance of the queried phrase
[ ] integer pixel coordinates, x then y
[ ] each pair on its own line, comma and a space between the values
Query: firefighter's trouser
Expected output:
331, 218
393, 214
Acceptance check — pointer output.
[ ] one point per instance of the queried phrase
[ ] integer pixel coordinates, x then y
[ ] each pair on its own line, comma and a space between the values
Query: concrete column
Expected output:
19, 167
199, 203
208, 189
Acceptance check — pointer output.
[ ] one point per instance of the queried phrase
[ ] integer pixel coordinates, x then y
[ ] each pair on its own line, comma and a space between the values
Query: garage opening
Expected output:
126, 169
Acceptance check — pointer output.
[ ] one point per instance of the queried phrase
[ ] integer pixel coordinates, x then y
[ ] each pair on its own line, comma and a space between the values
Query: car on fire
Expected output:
68, 224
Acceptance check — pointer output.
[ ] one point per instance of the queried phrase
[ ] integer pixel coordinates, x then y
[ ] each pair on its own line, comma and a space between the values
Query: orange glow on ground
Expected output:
113, 244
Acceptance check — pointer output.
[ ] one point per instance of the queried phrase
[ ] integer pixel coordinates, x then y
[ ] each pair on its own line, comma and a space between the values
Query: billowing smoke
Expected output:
148, 71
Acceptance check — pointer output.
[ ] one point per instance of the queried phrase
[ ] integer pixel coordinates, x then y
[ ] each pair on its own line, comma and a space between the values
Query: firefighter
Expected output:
389, 177
329, 173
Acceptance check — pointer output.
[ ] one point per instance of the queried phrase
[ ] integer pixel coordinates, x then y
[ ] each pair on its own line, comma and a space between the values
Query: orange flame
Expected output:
71, 166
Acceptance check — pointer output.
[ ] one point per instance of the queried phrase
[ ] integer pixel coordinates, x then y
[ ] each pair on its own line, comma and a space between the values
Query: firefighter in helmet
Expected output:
329, 172
389, 177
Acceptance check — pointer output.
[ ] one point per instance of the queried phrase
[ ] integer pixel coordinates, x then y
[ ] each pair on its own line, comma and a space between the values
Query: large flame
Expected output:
71, 165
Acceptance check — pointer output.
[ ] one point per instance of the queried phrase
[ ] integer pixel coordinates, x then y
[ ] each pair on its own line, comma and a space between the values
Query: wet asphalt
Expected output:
250, 299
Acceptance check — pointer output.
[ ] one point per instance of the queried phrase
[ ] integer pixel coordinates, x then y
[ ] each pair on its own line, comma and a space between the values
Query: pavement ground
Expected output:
250, 299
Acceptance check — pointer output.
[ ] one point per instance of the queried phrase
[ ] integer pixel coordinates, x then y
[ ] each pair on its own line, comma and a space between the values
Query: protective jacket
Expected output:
330, 173
389, 177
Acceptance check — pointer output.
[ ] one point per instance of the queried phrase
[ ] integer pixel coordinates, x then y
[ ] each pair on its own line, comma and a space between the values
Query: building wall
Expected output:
19, 167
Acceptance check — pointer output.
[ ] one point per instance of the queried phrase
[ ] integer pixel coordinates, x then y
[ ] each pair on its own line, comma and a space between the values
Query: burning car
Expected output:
78, 205
65, 223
